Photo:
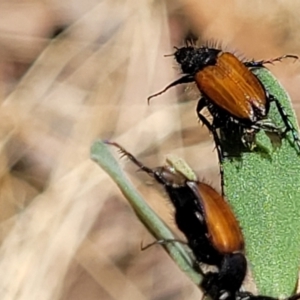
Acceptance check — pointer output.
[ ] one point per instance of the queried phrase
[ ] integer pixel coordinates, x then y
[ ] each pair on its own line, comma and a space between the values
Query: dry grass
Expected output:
66, 231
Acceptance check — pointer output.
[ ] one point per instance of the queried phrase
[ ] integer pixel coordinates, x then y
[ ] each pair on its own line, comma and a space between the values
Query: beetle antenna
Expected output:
167, 55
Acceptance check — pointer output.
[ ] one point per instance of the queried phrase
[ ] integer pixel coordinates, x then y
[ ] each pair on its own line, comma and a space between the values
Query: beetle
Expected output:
234, 96
210, 227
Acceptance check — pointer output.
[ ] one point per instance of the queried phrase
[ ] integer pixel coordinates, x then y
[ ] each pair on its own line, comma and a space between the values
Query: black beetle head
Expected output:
168, 176
192, 59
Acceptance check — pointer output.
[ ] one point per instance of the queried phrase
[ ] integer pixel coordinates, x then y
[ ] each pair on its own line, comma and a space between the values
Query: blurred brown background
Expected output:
66, 230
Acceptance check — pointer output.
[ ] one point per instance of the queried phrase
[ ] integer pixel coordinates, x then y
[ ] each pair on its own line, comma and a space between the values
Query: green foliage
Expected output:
263, 187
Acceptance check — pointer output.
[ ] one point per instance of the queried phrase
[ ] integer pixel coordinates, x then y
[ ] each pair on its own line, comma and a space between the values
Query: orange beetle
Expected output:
209, 225
233, 95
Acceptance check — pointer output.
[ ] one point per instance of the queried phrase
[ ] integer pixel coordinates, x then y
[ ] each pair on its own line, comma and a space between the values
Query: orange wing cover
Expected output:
223, 228
232, 86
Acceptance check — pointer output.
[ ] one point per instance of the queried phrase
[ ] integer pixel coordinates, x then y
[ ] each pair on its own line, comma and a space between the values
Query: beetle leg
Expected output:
261, 63
131, 157
210, 285
167, 241
274, 133
212, 129
184, 79
250, 296
249, 138
288, 124
294, 297
267, 125
162, 242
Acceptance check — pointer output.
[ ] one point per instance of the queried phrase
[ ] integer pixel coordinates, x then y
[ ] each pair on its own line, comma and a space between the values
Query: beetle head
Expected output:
168, 176
192, 59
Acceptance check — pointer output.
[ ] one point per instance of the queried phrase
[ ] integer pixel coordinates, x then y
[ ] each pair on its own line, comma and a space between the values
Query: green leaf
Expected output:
101, 155
263, 188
